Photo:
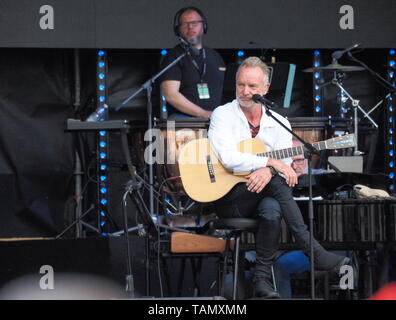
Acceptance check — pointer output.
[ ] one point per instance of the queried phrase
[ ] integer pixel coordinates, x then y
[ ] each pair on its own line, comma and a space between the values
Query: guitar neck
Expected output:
291, 152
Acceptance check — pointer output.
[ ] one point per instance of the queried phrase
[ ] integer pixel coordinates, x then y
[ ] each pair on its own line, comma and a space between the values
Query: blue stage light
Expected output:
103, 201
240, 53
101, 64
101, 53
102, 144
101, 87
102, 133
103, 155
103, 178
103, 190
391, 52
317, 75
318, 108
103, 167
164, 52
316, 52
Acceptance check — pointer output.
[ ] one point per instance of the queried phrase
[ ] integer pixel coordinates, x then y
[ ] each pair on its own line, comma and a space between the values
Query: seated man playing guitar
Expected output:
268, 177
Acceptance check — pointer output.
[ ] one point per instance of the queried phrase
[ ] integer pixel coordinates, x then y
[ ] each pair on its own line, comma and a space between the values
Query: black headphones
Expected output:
180, 12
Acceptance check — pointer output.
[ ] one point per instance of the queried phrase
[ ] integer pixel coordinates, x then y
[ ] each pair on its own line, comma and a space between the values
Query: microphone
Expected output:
185, 44
338, 54
188, 47
261, 99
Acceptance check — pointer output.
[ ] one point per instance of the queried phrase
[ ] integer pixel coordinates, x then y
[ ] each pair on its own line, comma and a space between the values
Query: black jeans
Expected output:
240, 202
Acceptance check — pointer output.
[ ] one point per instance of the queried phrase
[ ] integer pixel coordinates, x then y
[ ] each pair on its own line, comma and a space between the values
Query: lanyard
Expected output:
202, 75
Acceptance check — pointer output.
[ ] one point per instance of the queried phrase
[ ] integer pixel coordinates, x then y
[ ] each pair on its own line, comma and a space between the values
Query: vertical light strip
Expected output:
390, 121
103, 143
317, 80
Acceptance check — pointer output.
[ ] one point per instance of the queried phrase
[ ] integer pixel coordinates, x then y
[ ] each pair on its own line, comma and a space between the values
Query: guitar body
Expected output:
204, 178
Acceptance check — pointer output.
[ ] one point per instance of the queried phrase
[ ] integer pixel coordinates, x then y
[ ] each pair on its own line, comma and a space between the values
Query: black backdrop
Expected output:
36, 157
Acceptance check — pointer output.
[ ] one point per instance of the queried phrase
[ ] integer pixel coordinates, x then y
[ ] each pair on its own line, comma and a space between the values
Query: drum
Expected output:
175, 134
310, 129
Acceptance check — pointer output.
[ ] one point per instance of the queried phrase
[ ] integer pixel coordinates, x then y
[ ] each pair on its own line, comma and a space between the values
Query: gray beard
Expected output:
245, 105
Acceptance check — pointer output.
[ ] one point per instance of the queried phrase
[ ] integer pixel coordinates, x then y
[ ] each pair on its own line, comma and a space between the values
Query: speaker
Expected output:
180, 12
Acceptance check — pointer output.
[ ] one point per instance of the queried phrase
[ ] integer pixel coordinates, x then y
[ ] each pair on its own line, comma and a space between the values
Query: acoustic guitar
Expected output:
205, 179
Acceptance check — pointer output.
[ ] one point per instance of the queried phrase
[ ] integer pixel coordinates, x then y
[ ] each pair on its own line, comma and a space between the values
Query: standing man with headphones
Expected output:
194, 86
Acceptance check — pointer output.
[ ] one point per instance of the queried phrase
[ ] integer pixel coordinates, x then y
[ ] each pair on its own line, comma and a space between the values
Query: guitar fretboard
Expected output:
291, 152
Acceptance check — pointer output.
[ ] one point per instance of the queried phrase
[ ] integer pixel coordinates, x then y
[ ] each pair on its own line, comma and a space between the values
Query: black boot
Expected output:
264, 289
328, 261
267, 242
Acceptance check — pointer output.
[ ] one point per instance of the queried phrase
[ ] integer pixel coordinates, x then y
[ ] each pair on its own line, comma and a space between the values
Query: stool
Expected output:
237, 227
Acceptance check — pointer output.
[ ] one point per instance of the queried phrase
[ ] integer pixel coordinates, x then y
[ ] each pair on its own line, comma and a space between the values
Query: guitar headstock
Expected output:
346, 141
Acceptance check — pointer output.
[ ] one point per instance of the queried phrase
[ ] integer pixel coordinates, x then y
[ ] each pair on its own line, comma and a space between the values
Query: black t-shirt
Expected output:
189, 76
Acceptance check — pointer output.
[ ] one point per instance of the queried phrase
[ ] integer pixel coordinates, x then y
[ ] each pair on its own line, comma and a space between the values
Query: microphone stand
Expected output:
309, 151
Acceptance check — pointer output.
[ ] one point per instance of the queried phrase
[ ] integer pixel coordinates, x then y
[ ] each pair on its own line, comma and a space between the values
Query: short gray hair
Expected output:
255, 62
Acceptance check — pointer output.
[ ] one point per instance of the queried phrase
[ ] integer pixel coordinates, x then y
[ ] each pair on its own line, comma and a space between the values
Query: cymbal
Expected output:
335, 67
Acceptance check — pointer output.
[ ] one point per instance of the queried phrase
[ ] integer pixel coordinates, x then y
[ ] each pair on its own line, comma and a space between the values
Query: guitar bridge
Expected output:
210, 169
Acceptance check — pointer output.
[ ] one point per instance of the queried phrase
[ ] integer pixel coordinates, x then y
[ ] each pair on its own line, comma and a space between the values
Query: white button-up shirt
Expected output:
229, 126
